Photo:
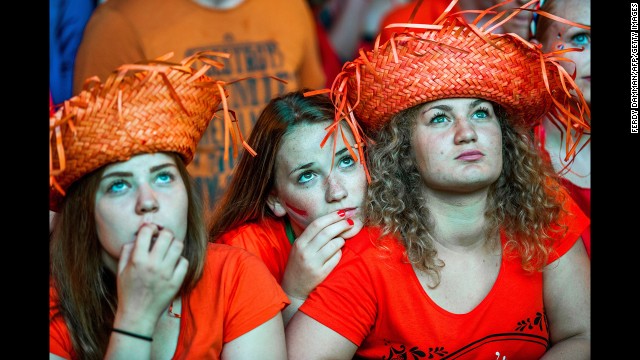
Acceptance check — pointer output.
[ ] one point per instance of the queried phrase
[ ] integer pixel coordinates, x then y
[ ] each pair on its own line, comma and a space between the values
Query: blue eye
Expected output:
481, 113
346, 161
581, 39
165, 177
438, 118
117, 186
306, 176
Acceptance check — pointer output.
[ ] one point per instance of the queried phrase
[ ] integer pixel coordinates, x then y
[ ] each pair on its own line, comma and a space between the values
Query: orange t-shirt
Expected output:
266, 239
375, 300
265, 38
235, 295
428, 12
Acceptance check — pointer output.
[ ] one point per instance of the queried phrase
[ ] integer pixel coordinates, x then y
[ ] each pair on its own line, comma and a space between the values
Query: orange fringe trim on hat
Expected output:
568, 115
160, 67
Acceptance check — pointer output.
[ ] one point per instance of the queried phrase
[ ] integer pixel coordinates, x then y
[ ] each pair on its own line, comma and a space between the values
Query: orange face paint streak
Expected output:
296, 210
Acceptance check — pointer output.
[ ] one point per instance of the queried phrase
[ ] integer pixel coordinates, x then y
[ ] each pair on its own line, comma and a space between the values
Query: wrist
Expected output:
132, 334
295, 297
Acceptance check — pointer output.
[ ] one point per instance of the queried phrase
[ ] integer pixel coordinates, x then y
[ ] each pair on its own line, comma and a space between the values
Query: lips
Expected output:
470, 155
350, 212
160, 227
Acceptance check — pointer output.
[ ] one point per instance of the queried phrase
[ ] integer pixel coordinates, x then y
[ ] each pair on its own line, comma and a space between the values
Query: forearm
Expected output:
291, 309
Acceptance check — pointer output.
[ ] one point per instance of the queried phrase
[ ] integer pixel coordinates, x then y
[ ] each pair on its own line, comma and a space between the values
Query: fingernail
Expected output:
349, 221
341, 213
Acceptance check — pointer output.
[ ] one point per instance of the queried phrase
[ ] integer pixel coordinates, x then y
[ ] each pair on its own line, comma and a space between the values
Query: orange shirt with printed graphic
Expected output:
375, 300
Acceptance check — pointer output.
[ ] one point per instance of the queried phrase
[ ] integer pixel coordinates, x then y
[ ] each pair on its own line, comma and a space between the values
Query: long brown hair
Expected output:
253, 177
85, 288
525, 201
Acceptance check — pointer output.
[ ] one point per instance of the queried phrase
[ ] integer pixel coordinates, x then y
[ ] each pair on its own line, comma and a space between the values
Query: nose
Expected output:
465, 131
335, 189
147, 200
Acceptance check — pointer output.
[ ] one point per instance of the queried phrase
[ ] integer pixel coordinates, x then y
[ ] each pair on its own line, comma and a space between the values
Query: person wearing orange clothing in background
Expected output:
350, 25
558, 37
296, 203
265, 39
133, 275
429, 11
471, 248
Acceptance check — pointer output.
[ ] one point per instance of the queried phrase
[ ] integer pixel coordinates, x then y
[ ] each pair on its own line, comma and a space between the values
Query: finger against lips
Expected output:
146, 230
332, 218
162, 243
143, 239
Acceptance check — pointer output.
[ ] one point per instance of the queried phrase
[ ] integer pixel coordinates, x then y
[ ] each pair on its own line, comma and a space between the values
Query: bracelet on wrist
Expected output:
137, 336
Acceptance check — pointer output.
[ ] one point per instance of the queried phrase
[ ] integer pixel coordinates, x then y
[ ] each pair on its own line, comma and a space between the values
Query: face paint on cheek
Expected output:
296, 210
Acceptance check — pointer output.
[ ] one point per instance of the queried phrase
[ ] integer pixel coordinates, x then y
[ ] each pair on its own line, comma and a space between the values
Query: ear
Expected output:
276, 206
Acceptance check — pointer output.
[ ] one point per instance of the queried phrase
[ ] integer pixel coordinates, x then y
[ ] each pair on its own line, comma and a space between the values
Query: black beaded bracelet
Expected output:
147, 338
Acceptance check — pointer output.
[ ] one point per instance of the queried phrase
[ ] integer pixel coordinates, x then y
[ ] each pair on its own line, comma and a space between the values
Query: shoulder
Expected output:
228, 267
296, 11
218, 254
369, 242
59, 338
570, 225
137, 12
295, 4
265, 228
231, 261
123, 6
53, 302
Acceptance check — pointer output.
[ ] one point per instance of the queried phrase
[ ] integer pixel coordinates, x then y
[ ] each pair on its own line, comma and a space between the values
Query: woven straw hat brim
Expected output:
164, 107
454, 59
463, 64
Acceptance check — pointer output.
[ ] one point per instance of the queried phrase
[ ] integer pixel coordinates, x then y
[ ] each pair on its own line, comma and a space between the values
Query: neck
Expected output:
459, 218
219, 4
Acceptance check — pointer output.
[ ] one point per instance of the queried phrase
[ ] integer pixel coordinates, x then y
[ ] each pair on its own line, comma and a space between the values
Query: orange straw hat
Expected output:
454, 59
141, 108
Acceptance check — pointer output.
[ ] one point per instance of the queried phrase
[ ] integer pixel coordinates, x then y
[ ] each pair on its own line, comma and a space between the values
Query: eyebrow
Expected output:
444, 107
129, 174
308, 165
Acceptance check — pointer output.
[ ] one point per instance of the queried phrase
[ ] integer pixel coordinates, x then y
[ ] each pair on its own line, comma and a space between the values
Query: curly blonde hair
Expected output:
525, 202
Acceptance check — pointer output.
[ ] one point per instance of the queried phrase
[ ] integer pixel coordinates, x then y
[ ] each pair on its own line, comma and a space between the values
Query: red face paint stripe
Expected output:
296, 210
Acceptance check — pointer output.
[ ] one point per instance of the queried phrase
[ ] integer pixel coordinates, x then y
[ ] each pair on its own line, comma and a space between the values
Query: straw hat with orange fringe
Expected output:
452, 59
145, 107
